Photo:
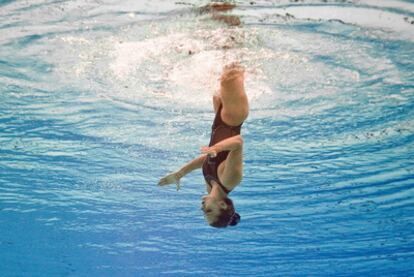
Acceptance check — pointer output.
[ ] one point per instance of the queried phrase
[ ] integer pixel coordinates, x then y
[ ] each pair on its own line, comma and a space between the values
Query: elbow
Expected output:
240, 142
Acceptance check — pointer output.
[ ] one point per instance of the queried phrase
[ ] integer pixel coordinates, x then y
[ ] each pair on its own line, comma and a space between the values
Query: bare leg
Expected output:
216, 102
233, 97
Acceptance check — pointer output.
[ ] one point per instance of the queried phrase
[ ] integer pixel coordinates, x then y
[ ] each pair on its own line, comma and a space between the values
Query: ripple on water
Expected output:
99, 99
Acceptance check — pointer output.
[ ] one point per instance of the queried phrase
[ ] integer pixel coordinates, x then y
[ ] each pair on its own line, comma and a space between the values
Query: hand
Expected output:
210, 151
172, 178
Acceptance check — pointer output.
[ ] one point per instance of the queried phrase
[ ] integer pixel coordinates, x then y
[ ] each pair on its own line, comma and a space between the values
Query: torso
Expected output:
213, 168
229, 186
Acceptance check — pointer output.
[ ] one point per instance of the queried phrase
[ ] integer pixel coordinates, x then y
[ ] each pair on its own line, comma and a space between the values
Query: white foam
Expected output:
130, 55
362, 16
190, 66
183, 69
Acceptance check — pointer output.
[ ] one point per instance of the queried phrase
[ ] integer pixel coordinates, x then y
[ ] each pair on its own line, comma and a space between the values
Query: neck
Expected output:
217, 191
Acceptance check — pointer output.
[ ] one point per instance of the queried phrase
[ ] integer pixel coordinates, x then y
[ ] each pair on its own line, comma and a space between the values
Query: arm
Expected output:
192, 165
229, 144
187, 168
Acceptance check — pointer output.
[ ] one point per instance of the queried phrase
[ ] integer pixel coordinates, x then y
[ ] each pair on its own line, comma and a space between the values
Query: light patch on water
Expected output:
396, 4
403, 5
328, 140
185, 68
190, 63
129, 56
361, 16
290, 72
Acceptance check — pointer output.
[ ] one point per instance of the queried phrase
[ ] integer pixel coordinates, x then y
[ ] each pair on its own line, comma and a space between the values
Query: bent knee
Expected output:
235, 118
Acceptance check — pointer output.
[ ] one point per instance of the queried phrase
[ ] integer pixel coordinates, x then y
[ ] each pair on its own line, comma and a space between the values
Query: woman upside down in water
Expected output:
222, 160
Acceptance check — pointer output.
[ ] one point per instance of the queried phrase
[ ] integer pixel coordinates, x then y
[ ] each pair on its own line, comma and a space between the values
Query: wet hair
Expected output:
227, 216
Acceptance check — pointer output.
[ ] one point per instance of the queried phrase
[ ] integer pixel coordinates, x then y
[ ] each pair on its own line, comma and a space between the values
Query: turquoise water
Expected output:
98, 100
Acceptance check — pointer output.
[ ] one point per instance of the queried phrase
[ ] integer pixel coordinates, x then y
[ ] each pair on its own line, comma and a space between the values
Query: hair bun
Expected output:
235, 219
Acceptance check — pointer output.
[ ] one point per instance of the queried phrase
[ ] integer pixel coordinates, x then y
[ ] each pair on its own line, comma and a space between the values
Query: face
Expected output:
211, 207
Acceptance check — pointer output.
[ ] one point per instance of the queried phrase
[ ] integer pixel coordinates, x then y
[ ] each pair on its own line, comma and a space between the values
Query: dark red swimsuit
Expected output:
220, 131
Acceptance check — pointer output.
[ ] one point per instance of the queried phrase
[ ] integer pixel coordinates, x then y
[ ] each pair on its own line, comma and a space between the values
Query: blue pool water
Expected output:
99, 99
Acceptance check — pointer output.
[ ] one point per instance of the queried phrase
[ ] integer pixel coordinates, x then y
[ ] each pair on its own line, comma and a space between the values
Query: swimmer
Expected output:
222, 160
217, 8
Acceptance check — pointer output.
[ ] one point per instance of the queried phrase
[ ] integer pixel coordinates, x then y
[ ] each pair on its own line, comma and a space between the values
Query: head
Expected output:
219, 211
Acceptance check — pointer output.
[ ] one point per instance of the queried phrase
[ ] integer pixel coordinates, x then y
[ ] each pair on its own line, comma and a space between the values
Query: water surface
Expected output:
99, 99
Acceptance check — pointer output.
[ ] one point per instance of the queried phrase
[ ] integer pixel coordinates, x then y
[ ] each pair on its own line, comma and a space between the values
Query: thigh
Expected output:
216, 102
233, 96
